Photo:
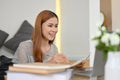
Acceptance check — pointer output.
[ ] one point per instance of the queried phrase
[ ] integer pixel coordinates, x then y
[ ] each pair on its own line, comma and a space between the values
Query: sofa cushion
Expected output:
24, 33
3, 37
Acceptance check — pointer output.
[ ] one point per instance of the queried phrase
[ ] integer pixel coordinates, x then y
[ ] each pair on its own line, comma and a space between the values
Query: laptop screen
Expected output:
99, 63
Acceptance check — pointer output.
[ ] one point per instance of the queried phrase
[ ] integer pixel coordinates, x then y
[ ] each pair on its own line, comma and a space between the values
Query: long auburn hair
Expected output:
37, 33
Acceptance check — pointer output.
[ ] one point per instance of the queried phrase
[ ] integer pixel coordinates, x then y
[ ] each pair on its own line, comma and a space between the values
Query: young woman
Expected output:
41, 47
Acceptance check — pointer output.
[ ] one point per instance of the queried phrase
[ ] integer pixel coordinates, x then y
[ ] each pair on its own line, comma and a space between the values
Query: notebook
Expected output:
96, 70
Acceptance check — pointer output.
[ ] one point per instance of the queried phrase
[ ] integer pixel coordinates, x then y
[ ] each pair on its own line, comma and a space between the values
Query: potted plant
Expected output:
109, 44
107, 41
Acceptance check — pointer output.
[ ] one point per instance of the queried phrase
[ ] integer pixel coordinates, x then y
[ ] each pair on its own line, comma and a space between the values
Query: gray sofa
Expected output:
9, 47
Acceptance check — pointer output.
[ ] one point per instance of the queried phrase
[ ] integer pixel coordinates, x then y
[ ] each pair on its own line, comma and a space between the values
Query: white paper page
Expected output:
66, 75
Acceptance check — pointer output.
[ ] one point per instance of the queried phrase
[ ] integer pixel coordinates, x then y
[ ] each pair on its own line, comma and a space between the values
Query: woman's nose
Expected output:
55, 29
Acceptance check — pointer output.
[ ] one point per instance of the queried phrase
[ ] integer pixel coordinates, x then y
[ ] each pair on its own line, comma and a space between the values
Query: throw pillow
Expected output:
24, 33
3, 37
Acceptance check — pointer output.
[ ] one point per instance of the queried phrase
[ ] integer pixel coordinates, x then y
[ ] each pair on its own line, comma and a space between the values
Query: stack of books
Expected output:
43, 71
38, 68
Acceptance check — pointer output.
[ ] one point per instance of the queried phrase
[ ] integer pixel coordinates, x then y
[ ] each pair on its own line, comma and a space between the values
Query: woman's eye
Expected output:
56, 26
50, 25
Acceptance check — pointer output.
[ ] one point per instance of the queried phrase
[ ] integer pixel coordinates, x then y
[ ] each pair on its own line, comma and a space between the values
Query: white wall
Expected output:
79, 25
115, 14
14, 12
79, 20
75, 21
94, 11
75, 28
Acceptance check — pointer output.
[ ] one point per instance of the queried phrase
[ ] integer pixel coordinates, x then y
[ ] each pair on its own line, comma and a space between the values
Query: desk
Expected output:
76, 77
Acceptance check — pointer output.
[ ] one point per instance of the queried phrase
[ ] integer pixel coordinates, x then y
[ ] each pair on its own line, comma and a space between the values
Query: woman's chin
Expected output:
51, 39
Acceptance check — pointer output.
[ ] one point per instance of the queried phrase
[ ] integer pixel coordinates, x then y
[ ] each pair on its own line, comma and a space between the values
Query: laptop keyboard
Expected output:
84, 72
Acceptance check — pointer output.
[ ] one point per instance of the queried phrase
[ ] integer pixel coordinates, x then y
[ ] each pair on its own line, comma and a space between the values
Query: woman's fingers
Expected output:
80, 66
60, 58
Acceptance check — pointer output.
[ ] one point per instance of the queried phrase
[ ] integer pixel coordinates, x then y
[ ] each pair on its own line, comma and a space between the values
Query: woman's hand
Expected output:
59, 58
79, 66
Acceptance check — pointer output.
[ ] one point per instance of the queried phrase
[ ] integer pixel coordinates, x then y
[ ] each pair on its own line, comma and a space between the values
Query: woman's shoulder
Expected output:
25, 43
54, 47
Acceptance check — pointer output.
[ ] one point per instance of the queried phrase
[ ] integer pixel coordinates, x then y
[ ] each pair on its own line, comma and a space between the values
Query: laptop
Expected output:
96, 70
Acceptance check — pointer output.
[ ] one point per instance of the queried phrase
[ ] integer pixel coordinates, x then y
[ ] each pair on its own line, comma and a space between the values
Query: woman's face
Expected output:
50, 28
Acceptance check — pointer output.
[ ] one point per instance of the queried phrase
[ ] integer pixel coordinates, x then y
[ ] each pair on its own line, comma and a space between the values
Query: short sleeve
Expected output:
22, 53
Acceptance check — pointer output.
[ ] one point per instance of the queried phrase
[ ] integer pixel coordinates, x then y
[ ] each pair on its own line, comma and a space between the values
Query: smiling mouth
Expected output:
52, 34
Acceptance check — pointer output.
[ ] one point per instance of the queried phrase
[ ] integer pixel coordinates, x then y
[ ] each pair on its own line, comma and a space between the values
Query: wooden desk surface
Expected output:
5, 77
78, 77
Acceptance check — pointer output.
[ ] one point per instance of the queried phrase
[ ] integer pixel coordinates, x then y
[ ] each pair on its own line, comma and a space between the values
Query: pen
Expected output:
87, 57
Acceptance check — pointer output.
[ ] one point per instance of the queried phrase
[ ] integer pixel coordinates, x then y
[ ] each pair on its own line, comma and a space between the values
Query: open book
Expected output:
49, 66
